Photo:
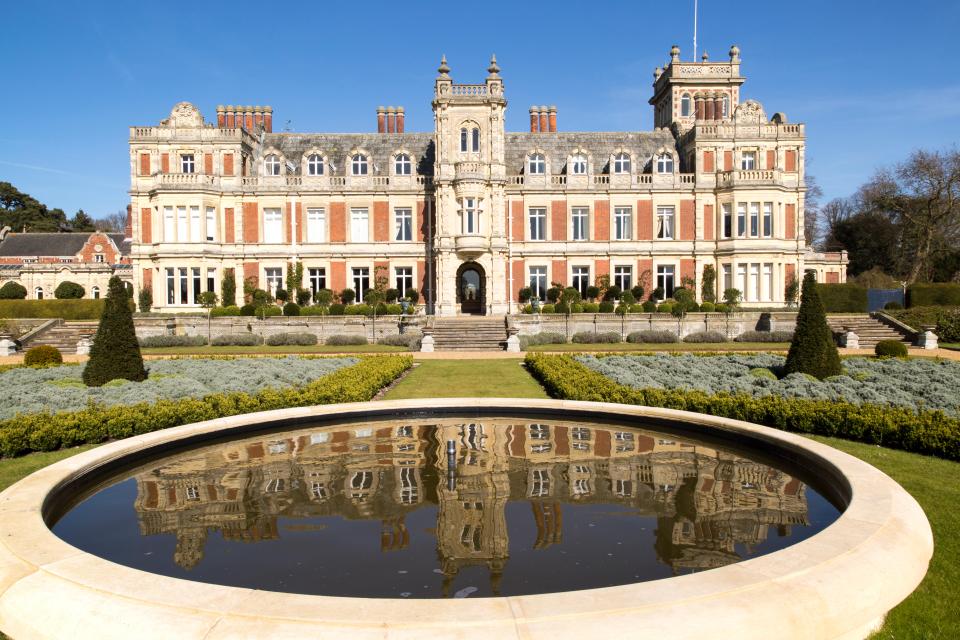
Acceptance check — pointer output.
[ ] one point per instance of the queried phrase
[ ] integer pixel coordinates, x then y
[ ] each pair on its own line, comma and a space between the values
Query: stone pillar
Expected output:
7, 347
717, 106
83, 346
850, 339
513, 341
426, 343
927, 339
698, 107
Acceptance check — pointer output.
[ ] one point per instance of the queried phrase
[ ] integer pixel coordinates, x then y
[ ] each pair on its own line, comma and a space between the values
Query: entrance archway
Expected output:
471, 288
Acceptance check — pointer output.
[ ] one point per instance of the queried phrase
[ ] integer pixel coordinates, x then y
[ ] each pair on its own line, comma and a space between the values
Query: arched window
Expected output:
537, 164
470, 140
726, 106
315, 165
95, 292
621, 163
475, 138
271, 165
38, 293
463, 140
685, 105
579, 164
359, 164
402, 166
665, 163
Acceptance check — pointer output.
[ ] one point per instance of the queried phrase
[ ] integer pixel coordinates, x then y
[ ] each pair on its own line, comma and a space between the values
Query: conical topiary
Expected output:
115, 352
812, 350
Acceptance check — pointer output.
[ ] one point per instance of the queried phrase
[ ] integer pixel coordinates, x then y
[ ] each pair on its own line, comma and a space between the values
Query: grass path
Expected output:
505, 378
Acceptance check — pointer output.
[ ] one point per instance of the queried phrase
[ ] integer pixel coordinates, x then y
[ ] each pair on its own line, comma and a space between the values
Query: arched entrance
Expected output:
471, 288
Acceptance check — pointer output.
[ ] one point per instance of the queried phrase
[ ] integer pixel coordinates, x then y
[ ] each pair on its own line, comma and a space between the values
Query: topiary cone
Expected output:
115, 352
812, 350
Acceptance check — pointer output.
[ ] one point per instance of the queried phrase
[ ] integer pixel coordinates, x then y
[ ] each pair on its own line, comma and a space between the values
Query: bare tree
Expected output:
811, 210
112, 223
832, 214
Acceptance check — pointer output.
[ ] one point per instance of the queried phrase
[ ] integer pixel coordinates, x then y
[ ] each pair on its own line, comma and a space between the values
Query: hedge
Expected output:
301, 339
946, 320
843, 298
652, 336
48, 432
237, 340
705, 337
926, 432
764, 336
85, 309
152, 342
944, 294
340, 340
593, 337
222, 312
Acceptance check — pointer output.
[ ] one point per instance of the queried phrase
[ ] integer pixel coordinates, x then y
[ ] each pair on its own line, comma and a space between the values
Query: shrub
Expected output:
222, 312
340, 340
524, 294
893, 305
593, 292
606, 307
347, 296
665, 307
612, 294
153, 342
13, 291
721, 308
652, 336
299, 339
595, 337
945, 319
115, 352
392, 309
67, 290
548, 308
228, 288
649, 306
705, 337
248, 310
812, 349
842, 298
637, 292
762, 372
561, 307
938, 294
408, 340
281, 294
544, 337
291, 309
237, 340
42, 356
357, 310
764, 336
269, 311
413, 296
336, 309
890, 349
527, 308
576, 307
85, 309
303, 297
145, 300
590, 307
708, 307
635, 308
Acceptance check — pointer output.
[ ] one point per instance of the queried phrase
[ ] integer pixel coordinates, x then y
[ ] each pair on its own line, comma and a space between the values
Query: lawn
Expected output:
505, 378
12, 469
646, 346
269, 350
953, 346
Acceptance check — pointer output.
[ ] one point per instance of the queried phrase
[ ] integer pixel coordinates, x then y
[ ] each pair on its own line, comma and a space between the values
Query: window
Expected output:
95, 292
274, 276
666, 219
665, 163
665, 278
315, 165
742, 281
179, 280
358, 166
272, 226
727, 277
463, 140
748, 160
475, 137
169, 225
271, 165
755, 281
409, 492
401, 165
404, 223
538, 223
211, 224
767, 282
581, 220
538, 282
211, 279
195, 230
621, 163
470, 216
578, 165
726, 106
741, 220
537, 164
540, 485
318, 490
316, 225
38, 293
404, 280
359, 226
623, 277
98, 258
317, 277
193, 493
186, 163
685, 105
470, 140
754, 219
361, 281
581, 280
622, 223
727, 231
767, 219
182, 225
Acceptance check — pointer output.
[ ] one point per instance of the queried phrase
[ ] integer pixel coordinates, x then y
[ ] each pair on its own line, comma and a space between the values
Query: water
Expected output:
376, 510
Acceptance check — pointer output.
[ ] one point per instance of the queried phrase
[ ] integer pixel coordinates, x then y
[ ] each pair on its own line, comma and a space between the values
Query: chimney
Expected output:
221, 117
708, 107
230, 117
381, 120
553, 118
257, 117
698, 111
391, 119
399, 119
534, 120
248, 118
128, 228
268, 119
544, 125
718, 106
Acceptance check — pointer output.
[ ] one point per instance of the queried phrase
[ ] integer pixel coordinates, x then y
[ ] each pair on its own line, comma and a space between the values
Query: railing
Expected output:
729, 129
468, 171
175, 179
559, 181
726, 178
470, 90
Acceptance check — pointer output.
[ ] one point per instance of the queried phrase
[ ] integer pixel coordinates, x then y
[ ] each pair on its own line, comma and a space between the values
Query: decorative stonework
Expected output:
749, 112
183, 114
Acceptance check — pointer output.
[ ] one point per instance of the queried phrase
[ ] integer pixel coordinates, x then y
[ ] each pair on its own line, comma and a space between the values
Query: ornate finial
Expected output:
657, 73
493, 69
444, 69
734, 53
674, 53
704, 57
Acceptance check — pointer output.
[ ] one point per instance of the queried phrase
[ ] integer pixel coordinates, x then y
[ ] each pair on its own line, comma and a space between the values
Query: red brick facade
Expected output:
791, 160
644, 220
228, 164
146, 225
251, 222
381, 222
688, 221
338, 222
558, 219
228, 225
601, 216
708, 224
791, 220
338, 275
144, 164
708, 161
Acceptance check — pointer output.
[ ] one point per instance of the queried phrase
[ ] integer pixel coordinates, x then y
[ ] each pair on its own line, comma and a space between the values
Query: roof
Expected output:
380, 148
558, 145
53, 244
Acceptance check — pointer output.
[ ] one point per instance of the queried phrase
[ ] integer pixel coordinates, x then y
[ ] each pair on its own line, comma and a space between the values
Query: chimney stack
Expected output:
544, 125
268, 119
534, 120
399, 119
221, 117
553, 118
257, 116
128, 228
230, 117
381, 120
391, 119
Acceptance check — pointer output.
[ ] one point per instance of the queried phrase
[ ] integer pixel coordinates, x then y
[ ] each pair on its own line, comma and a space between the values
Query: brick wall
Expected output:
791, 221
645, 274
338, 222
228, 224
144, 164
601, 267
708, 162
791, 160
288, 224
251, 271
251, 224
420, 279
688, 269
146, 225
228, 164
518, 225
708, 223
728, 160
558, 219
110, 255
789, 272
148, 280
165, 163
601, 222
421, 220
381, 222
519, 278
771, 159
299, 219
208, 164
644, 219
338, 275
558, 272
688, 221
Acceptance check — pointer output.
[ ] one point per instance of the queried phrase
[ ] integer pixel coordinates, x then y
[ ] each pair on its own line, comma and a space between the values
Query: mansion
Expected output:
469, 213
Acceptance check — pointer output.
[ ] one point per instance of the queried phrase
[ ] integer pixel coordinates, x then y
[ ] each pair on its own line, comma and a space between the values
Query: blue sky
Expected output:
872, 81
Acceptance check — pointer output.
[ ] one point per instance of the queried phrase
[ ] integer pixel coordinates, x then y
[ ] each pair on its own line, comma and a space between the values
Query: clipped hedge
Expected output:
652, 336
925, 432
48, 432
152, 342
340, 340
221, 312
84, 309
764, 336
237, 340
43, 355
890, 349
945, 294
843, 298
544, 337
945, 319
596, 337
409, 340
705, 337
293, 338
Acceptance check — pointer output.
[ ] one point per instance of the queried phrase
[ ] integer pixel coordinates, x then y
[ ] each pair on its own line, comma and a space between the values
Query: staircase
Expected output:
870, 330
64, 336
469, 333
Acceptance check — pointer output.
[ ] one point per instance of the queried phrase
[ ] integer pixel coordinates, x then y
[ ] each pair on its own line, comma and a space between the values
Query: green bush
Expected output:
248, 310
926, 432
893, 305
652, 336
764, 336
635, 308
42, 356
228, 288
761, 372
544, 337
665, 307
393, 309
153, 342
358, 310
606, 307
345, 340
812, 349
590, 307
594, 337
945, 319
409, 340
708, 307
47, 432
67, 290
336, 309
291, 309
721, 307
548, 308
527, 308
843, 298
293, 338
270, 311
222, 312
935, 294
707, 337
13, 291
576, 307
237, 340
115, 352
85, 309
145, 300
890, 349
649, 306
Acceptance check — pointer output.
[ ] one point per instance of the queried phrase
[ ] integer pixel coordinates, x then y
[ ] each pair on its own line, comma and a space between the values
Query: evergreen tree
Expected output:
115, 352
812, 350
228, 288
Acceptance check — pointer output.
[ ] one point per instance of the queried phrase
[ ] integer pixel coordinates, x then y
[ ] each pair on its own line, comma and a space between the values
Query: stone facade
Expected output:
469, 214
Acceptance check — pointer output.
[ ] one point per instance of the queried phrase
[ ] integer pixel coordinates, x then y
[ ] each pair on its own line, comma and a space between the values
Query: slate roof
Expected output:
600, 146
380, 148
53, 244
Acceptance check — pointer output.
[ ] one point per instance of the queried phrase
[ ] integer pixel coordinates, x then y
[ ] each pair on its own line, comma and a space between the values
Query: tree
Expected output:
22, 212
115, 352
812, 350
684, 304
626, 299
112, 223
13, 291
82, 222
871, 239
145, 300
208, 300
731, 298
568, 298
67, 290
228, 288
708, 286
323, 298
791, 291
811, 210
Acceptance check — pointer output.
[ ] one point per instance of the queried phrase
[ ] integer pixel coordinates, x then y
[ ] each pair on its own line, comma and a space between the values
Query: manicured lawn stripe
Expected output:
505, 378
319, 348
682, 346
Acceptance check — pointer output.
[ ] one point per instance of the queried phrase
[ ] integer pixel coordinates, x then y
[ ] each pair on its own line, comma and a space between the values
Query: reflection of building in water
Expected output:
707, 502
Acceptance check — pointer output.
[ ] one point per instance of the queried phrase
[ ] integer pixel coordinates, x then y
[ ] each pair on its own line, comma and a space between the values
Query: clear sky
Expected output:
872, 80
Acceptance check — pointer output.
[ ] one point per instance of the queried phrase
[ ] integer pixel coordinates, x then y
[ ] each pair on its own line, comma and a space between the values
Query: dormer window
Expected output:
748, 161
186, 163
315, 165
621, 163
271, 165
358, 164
402, 165
578, 164
665, 163
537, 164
685, 105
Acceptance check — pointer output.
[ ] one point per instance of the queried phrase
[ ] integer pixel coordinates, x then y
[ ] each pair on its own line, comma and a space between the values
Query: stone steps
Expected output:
63, 337
869, 330
469, 334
